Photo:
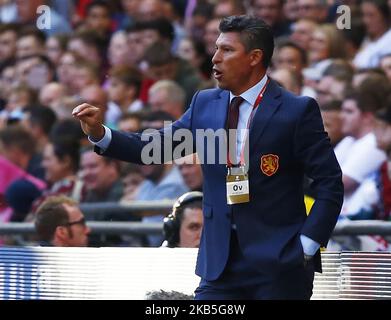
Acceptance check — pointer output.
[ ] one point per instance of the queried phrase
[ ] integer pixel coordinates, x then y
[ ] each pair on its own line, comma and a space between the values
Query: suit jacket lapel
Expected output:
269, 105
220, 107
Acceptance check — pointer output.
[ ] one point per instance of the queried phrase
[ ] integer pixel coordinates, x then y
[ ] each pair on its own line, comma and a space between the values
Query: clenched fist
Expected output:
91, 119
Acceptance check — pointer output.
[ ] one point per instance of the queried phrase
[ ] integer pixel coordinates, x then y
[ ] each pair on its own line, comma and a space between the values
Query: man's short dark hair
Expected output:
382, 7
38, 34
371, 94
128, 75
287, 43
14, 27
17, 136
158, 54
333, 105
254, 33
99, 3
41, 116
51, 214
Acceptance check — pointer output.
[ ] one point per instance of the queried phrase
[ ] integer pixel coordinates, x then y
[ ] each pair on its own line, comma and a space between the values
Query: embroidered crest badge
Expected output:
269, 164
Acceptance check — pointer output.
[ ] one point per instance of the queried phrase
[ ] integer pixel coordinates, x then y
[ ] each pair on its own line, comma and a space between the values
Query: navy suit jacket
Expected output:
269, 226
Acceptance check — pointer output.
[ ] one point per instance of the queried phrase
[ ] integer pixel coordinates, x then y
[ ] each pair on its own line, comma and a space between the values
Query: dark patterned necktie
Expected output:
233, 118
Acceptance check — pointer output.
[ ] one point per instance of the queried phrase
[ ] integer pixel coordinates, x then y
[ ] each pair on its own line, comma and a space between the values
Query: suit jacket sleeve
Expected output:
129, 146
314, 151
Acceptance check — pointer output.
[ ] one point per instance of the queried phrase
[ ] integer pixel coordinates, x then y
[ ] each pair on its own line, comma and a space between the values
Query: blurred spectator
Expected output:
335, 82
194, 52
20, 196
353, 37
157, 30
102, 182
150, 10
8, 11
130, 122
271, 11
19, 97
132, 178
7, 81
196, 23
326, 44
360, 175
31, 41
69, 129
34, 71
118, 52
289, 55
89, 45
8, 39
167, 96
56, 45
162, 181
316, 10
385, 64
18, 146
86, 74
191, 171
27, 14
302, 31
361, 74
155, 120
60, 223
225, 8
101, 177
143, 34
376, 18
51, 94
182, 227
66, 70
358, 111
154, 9
9, 174
136, 45
98, 17
163, 65
211, 35
38, 121
61, 163
291, 10
383, 139
288, 79
130, 9
331, 115
123, 90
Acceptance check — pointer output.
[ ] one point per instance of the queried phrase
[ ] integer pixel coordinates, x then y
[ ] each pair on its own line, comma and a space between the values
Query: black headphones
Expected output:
172, 223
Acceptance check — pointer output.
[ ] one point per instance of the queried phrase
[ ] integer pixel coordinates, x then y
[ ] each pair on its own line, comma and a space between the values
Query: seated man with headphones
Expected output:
182, 227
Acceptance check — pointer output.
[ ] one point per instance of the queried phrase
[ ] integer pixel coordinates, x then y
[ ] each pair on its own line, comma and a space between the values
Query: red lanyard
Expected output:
249, 121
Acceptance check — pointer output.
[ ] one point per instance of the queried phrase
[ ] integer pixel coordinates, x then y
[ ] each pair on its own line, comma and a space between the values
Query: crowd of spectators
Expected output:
141, 61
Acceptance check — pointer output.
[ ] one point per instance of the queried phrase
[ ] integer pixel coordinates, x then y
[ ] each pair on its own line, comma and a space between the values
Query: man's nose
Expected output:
216, 57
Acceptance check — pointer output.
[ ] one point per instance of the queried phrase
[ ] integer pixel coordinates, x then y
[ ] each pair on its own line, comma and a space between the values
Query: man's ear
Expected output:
256, 57
61, 233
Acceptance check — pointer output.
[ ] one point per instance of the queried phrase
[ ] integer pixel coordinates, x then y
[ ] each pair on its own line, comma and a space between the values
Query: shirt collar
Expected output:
251, 94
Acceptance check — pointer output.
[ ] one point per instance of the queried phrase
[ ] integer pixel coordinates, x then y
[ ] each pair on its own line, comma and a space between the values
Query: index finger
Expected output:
80, 108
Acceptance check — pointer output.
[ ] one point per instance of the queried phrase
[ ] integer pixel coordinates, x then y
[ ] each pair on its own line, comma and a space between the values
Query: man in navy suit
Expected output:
257, 241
